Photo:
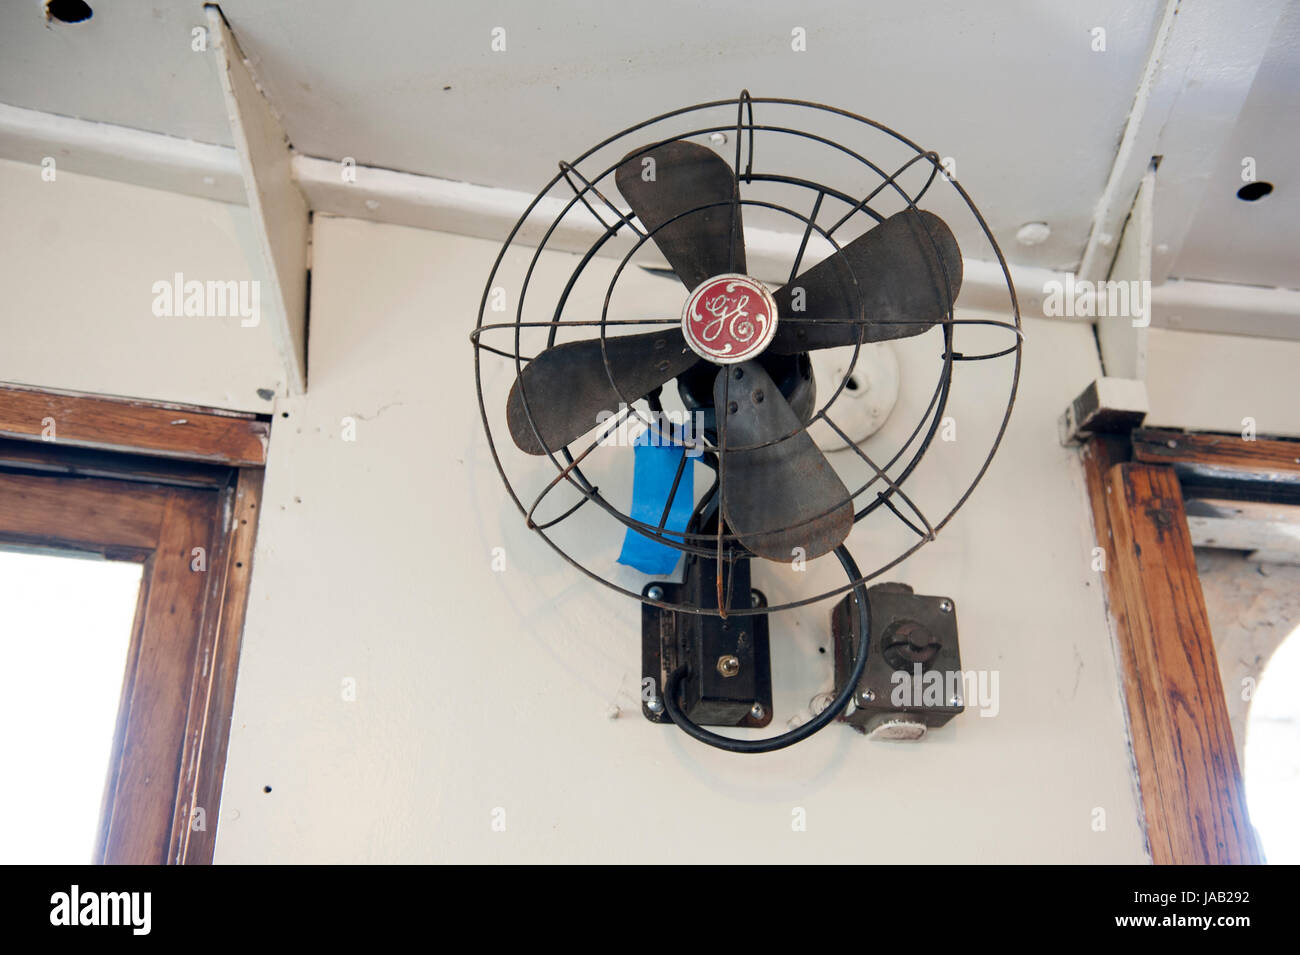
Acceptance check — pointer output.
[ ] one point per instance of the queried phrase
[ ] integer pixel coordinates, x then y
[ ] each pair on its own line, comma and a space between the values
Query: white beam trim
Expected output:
121, 154
1218, 307
1199, 70
280, 213
1150, 107
1122, 339
424, 202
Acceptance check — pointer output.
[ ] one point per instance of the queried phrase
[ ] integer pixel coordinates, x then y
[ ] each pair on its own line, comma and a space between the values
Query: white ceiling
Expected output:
1010, 90
1013, 91
1255, 243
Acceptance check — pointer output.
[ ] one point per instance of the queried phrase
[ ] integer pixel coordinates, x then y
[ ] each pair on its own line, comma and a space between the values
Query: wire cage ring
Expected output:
722, 545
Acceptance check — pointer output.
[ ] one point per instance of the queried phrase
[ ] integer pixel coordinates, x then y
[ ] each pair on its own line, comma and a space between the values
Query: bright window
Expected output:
1272, 769
65, 629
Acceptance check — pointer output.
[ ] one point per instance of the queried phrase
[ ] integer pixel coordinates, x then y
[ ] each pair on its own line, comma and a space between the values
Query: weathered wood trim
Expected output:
213, 697
103, 485
1192, 794
147, 755
1230, 456
138, 427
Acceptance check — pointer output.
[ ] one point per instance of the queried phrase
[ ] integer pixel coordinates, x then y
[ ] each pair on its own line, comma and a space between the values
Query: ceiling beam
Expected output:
1122, 339
208, 171
488, 212
281, 216
121, 154
1199, 70
1220, 307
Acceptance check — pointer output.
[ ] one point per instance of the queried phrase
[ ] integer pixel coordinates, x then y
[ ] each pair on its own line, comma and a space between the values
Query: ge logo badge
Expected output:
729, 318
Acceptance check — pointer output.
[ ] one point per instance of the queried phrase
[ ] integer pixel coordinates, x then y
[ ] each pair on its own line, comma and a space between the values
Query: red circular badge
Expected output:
729, 319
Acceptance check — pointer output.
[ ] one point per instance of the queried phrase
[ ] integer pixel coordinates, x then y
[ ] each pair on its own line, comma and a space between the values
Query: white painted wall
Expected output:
1207, 382
79, 257
477, 690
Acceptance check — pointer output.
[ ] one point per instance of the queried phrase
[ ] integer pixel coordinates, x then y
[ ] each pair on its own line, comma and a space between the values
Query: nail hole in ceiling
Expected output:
68, 11
1252, 191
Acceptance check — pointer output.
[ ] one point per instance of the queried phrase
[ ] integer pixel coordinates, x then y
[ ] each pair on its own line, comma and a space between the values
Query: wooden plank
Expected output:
143, 801
45, 458
212, 703
120, 726
1187, 766
1269, 531
122, 425
80, 514
183, 816
280, 213
1220, 455
1099, 454
178, 683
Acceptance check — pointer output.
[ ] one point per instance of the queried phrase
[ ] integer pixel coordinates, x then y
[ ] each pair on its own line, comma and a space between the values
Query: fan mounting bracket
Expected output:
730, 677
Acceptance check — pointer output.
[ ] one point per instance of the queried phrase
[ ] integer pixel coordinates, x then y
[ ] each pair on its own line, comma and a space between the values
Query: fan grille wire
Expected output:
723, 546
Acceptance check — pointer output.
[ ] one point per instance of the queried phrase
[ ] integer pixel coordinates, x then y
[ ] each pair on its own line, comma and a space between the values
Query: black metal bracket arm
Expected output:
729, 668
860, 614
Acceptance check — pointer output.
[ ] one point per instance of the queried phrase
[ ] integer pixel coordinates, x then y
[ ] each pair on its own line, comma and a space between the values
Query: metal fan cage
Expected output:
722, 545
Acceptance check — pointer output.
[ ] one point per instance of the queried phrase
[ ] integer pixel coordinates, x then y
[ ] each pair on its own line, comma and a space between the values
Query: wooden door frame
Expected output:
195, 469
1190, 782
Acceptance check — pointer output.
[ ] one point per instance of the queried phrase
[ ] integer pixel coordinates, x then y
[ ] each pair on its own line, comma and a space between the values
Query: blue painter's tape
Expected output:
654, 468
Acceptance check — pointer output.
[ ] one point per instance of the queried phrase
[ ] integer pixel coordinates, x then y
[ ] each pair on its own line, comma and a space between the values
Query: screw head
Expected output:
945, 606
718, 139
757, 711
955, 701
655, 705
655, 593
755, 599
867, 696
728, 665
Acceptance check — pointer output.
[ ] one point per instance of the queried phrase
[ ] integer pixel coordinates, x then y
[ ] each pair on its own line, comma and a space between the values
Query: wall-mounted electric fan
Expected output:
737, 357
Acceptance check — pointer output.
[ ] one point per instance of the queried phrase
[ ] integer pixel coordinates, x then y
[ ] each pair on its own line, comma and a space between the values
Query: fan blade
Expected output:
905, 287
781, 496
687, 176
568, 386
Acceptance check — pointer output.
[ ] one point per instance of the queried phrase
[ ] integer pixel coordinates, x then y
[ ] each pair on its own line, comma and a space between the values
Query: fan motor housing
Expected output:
792, 374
